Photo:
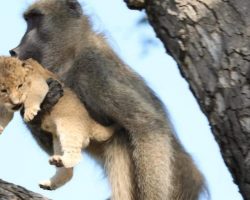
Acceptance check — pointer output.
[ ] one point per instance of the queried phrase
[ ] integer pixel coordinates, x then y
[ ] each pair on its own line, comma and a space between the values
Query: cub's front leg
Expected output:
5, 117
35, 97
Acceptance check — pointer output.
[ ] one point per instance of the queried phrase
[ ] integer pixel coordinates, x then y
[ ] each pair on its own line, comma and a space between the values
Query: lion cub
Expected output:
23, 84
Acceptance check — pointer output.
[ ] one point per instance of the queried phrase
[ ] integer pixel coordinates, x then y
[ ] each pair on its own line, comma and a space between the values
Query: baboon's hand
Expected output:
54, 94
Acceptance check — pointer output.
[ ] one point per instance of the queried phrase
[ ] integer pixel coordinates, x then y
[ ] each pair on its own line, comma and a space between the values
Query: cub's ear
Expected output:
27, 64
74, 7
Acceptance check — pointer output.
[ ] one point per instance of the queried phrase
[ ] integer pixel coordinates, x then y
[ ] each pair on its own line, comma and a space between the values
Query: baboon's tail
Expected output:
163, 171
119, 167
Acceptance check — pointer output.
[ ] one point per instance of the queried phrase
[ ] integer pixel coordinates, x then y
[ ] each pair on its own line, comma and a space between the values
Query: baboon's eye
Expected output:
34, 13
3, 90
19, 86
33, 19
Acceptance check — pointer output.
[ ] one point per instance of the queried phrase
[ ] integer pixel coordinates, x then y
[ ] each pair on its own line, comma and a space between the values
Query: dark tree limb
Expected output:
135, 4
210, 40
9, 191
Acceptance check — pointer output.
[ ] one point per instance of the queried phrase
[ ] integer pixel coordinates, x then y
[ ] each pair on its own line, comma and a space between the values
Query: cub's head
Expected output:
14, 82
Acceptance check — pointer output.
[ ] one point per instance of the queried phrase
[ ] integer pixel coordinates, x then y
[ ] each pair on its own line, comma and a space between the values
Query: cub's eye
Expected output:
3, 90
19, 86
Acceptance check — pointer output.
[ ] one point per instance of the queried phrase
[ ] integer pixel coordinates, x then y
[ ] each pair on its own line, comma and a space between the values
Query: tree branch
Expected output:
135, 4
9, 191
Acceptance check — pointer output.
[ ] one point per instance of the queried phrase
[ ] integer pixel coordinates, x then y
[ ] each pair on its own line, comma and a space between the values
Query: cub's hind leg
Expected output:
62, 176
72, 137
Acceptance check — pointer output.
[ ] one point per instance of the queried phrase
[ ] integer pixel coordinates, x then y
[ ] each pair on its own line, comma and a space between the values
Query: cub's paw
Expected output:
1, 129
30, 113
56, 160
47, 185
65, 161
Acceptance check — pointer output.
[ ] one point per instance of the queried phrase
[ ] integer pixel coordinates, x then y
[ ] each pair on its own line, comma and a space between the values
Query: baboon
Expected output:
143, 160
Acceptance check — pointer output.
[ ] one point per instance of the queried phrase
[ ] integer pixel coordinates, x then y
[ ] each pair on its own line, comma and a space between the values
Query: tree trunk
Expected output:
9, 191
210, 40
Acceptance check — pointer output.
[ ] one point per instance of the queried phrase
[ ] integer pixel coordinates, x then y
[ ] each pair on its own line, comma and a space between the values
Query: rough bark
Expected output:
209, 39
9, 191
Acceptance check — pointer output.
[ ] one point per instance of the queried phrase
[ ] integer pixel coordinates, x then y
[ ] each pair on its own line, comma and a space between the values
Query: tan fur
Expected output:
68, 121
119, 167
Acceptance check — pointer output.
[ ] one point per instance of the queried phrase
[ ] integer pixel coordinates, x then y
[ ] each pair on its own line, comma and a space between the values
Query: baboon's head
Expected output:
54, 28
14, 82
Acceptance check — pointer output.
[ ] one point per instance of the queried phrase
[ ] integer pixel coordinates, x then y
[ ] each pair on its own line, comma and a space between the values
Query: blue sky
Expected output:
23, 163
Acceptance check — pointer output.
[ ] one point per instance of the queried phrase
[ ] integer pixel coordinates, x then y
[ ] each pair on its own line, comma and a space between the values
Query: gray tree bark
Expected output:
210, 40
9, 191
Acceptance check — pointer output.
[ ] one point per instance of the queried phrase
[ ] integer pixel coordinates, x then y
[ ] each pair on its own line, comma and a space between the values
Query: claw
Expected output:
46, 185
56, 160
30, 113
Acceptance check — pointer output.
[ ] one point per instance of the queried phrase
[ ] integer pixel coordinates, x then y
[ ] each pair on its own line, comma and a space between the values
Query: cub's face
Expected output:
14, 83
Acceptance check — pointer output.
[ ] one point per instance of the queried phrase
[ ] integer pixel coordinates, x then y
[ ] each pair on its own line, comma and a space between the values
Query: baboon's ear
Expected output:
74, 7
